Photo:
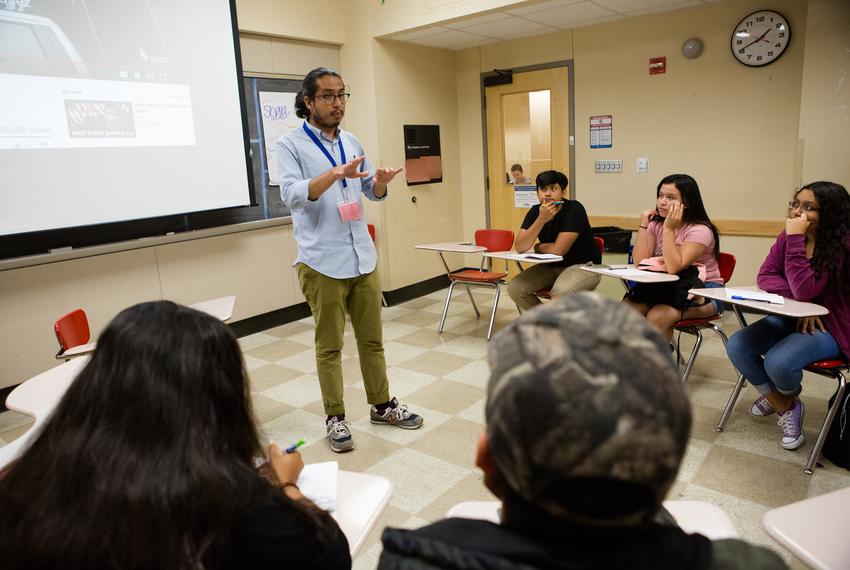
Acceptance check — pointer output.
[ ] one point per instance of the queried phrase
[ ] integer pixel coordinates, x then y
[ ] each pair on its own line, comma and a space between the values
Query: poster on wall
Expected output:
278, 113
525, 196
423, 163
601, 131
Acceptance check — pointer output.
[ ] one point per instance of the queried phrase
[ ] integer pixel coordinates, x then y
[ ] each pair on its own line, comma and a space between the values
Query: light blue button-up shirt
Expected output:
327, 244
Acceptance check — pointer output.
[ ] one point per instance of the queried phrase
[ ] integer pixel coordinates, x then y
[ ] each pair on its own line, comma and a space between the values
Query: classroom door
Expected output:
527, 124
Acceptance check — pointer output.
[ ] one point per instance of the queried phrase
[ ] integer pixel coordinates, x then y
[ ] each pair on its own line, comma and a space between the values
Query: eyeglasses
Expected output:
807, 207
329, 98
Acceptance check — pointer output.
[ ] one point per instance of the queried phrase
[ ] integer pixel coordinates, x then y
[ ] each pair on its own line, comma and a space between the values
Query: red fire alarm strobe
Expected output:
657, 65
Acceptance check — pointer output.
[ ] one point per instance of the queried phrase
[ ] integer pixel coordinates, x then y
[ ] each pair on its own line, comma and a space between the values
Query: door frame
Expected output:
568, 63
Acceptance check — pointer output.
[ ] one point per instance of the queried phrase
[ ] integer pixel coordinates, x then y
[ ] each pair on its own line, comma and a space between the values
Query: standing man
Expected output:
323, 170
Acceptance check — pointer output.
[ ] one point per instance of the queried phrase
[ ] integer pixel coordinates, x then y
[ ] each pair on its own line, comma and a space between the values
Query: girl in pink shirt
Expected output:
679, 230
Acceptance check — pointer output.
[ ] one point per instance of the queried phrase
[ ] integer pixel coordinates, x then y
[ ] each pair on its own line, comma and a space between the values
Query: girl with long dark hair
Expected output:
679, 230
149, 461
808, 262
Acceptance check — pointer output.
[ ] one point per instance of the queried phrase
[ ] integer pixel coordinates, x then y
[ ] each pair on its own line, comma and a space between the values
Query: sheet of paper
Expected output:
319, 482
755, 296
539, 256
628, 272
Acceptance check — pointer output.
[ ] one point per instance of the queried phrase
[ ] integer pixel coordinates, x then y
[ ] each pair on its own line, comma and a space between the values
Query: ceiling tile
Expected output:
593, 22
627, 6
657, 9
448, 39
568, 14
512, 26
541, 6
410, 36
482, 42
535, 33
469, 22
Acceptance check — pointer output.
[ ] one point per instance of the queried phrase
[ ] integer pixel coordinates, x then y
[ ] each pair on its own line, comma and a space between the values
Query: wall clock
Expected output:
760, 38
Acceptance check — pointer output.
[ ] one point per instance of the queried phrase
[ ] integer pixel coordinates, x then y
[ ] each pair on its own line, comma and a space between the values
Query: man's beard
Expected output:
329, 123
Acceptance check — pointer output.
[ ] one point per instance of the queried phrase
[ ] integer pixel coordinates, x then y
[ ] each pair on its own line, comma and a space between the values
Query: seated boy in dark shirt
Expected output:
560, 226
586, 425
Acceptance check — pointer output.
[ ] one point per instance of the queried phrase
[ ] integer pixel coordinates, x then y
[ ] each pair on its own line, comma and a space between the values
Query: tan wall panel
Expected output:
825, 106
471, 151
255, 266
406, 92
749, 254
256, 53
298, 58
732, 127
316, 20
546, 48
32, 298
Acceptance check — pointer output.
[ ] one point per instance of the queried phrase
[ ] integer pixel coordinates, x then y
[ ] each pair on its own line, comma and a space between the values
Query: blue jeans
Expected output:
786, 352
718, 305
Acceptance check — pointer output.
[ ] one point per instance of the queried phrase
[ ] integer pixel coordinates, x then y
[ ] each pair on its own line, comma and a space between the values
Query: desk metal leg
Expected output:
446, 307
838, 402
493, 314
693, 357
474, 306
741, 380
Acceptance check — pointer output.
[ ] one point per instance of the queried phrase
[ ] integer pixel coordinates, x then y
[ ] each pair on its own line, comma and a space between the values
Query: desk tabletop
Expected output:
791, 308
814, 529
457, 247
36, 398
221, 308
361, 500
523, 257
630, 273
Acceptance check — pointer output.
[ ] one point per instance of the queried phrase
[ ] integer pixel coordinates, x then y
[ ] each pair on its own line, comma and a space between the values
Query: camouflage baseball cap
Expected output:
584, 389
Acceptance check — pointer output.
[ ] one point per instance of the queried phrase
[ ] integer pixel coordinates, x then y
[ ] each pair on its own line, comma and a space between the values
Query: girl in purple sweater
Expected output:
808, 262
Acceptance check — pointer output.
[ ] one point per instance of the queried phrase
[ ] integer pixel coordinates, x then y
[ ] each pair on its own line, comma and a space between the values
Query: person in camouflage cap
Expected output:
587, 423
582, 392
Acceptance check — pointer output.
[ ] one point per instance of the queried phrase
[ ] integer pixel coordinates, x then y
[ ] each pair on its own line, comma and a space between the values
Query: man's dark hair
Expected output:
548, 177
515, 167
308, 90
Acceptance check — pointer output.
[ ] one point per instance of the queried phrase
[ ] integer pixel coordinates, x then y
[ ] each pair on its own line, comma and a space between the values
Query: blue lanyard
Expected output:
322, 148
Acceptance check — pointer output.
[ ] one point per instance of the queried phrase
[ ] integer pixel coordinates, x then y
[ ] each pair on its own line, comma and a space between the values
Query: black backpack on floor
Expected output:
836, 447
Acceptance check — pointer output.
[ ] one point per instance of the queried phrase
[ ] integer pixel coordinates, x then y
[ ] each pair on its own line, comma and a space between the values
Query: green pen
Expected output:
294, 446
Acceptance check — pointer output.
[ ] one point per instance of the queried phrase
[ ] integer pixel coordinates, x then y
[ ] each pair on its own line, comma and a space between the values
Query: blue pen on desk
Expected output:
294, 446
740, 298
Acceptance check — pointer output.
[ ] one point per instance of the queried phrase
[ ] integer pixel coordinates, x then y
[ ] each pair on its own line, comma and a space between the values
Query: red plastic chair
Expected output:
493, 240
72, 331
371, 228
547, 293
828, 368
695, 327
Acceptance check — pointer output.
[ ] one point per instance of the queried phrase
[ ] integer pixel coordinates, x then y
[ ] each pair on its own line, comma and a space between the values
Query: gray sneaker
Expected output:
397, 415
791, 425
339, 435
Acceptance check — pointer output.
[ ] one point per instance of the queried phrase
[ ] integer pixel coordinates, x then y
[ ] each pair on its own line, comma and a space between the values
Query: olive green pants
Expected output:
329, 300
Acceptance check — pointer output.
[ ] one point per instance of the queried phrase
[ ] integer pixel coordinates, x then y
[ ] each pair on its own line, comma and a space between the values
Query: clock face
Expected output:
760, 38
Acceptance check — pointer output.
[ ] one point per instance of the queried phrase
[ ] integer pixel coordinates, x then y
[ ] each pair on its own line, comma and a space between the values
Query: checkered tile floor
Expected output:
442, 377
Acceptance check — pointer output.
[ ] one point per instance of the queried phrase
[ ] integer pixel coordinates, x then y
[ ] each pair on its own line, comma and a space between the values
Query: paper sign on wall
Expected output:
525, 196
278, 113
601, 131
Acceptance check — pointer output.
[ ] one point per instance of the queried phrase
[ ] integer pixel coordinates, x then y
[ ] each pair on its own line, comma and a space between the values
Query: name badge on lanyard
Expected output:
349, 209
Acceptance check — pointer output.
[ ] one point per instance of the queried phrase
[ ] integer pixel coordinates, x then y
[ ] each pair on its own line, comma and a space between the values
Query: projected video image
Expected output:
95, 119
99, 39
91, 73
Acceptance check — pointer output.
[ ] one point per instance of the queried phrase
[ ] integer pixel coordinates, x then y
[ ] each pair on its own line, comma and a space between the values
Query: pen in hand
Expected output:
295, 446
